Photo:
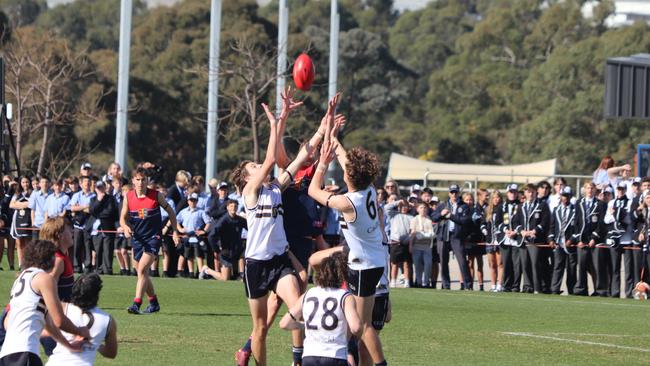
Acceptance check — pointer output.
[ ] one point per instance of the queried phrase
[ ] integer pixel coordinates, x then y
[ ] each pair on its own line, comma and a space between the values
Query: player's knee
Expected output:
261, 330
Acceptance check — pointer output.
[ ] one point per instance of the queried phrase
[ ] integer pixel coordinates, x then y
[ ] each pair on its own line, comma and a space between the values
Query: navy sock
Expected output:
297, 354
353, 349
247, 346
382, 363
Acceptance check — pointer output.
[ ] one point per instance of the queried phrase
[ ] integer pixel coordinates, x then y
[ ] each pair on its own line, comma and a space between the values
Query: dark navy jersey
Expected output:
301, 212
144, 215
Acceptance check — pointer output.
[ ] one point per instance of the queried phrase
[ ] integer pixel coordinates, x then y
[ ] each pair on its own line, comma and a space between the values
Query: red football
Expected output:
303, 72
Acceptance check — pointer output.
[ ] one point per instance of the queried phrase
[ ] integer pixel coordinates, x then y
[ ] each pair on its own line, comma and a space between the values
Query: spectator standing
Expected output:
452, 216
104, 213
37, 204
491, 231
509, 245
193, 222
473, 236
218, 203
420, 242
178, 191
79, 205
600, 176
616, 224
533, 222
400, 236
562, 238
588, 213
56, 203
21, 221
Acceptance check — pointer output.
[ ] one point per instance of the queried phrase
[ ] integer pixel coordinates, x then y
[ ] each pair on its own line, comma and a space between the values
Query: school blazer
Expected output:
557, 231
536, 218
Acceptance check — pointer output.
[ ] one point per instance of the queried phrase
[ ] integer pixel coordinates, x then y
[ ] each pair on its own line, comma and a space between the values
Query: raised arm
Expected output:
259, 175
325, 198
309, 149
288, 105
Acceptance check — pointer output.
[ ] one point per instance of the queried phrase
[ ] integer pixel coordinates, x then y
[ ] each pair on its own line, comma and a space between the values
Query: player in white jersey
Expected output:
34, 294
361, 227
267, 265
83, 311
328, 312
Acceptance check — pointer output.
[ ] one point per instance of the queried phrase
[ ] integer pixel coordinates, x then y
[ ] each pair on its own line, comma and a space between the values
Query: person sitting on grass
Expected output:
329, 312
83, 311
226, 237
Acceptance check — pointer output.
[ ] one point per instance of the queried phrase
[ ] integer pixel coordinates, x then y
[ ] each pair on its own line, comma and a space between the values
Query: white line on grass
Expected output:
601, 335
509, 298
531, 335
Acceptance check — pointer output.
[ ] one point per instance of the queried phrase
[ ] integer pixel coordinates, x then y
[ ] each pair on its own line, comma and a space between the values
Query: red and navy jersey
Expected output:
144, 215
66, 280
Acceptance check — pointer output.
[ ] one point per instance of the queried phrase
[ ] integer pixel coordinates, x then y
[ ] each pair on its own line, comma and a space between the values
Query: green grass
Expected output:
204, 322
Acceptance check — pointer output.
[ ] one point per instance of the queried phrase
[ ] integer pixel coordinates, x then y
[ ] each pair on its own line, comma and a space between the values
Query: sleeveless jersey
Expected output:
26, 318
66, 280
364, 235
144, 215
266, 236
326, 329
382, 285
98, 322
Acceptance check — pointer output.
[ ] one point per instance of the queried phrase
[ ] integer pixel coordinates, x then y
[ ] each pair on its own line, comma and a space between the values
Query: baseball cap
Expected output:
100, 184
416, 188
413, 196
621, 185
86, 166
454, 188
512, 187
435, 199
567, 191
608, 189
637, 180
193, 197
222, 185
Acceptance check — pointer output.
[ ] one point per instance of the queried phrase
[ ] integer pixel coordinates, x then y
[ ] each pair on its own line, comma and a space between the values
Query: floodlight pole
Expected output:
283, 34
333, 64
123, 84
213, 93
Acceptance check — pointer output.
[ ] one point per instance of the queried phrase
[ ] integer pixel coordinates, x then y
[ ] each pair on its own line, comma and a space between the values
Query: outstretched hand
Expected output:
288, 104
269, 114
328, 151
331, 110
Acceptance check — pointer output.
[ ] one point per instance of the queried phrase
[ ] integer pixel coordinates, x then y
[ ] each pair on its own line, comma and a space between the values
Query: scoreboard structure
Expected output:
627, 87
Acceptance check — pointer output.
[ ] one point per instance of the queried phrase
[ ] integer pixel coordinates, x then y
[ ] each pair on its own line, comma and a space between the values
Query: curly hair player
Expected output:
361, 228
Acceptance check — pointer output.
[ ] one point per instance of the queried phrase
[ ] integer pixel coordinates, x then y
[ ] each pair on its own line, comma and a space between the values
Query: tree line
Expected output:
465, 81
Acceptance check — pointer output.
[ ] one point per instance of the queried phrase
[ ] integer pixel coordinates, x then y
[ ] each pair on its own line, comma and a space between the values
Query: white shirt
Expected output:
26, 318
98, 321
326, 329
266, 236
364, 235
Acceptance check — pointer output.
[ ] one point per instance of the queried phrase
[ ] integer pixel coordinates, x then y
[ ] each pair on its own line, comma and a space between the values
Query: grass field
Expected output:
204, 322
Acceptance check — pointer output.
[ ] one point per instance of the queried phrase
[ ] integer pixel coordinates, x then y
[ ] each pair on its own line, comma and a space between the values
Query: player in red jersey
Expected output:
140, 220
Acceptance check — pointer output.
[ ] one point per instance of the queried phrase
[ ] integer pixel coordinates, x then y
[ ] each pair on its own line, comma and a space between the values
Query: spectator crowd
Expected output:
539, 238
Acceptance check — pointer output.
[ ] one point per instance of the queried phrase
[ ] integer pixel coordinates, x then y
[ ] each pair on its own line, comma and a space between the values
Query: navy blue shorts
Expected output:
302, 248
151, 246
323, 361
260, 277
21, 359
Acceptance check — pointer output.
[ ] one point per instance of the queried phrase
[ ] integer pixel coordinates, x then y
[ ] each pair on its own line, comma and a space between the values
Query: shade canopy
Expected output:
402, 167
